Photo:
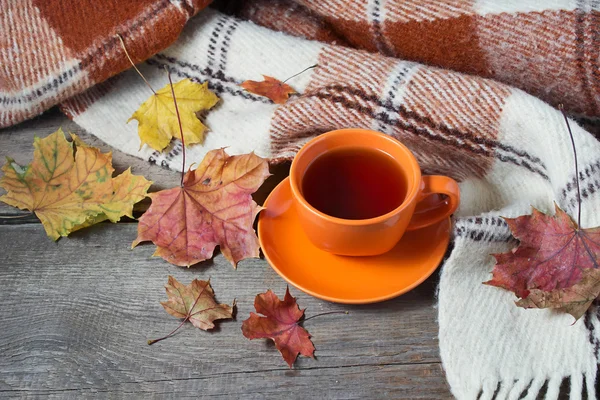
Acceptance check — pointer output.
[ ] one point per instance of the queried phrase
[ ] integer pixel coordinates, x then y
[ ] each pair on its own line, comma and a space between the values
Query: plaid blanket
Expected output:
51, 50
508, 149
549, 48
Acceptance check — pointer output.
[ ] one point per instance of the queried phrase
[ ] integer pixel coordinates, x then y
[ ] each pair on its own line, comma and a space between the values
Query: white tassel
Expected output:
553, 388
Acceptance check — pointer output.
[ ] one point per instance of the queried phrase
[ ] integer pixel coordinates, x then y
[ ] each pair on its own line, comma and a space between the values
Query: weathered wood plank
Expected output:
75, 316
414, 381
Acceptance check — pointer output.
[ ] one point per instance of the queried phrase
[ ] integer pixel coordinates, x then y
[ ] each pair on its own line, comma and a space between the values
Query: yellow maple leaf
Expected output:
157, 118
69, 185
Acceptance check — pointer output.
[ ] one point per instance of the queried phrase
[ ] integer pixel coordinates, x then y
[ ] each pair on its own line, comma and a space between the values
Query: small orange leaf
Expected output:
272, 88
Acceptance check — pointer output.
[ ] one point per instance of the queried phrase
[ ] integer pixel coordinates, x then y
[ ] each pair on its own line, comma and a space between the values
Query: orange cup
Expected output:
421, 207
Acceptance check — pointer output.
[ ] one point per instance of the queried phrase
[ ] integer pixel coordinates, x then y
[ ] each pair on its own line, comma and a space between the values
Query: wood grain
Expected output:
75, 316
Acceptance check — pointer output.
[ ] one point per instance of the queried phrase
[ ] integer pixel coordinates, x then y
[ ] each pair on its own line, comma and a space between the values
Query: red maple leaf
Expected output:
552, 254
280, 324
556, 264
213, 206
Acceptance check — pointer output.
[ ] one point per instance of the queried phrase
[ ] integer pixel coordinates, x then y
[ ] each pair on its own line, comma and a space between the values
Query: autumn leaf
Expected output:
552, 254
212, 207
195, 303
274, 89
157, 117
574, 300
69, 185
280, 324
555, 264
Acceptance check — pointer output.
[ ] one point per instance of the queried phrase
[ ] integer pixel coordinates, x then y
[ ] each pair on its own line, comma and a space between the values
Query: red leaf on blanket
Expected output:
270, 87
213, 206
556, 264
280, 324
553, 253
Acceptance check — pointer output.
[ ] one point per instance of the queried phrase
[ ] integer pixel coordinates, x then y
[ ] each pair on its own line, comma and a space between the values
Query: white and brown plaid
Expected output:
550, 49
446, 77
52, 50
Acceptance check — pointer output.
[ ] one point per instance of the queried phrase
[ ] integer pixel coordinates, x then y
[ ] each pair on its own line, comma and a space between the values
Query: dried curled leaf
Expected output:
213, 207
157, 117
552, 258
69, 185
270, 87
195, 303
280, 324
574, 300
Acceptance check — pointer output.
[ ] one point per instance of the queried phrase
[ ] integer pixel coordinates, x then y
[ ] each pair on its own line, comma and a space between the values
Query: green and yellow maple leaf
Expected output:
69, 185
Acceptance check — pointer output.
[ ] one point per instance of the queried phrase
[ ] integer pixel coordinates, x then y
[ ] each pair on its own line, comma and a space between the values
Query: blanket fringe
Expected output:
576, 388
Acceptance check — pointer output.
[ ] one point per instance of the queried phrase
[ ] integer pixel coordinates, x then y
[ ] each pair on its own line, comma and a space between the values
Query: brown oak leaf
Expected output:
280, 324
553, 254
195, 303
270, 87
213, 207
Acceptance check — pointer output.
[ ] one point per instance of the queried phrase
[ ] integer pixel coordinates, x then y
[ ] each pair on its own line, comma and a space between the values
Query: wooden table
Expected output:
75, 316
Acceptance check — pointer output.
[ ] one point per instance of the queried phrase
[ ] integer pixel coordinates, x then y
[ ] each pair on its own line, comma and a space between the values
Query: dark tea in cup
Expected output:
355, 192
354, 183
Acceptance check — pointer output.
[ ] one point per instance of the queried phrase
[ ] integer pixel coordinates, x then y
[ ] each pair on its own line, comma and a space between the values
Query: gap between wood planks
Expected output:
292, 371
225, 374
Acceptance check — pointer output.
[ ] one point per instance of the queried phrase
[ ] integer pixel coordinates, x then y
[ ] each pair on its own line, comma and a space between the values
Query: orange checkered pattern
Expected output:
550, 49
52, 49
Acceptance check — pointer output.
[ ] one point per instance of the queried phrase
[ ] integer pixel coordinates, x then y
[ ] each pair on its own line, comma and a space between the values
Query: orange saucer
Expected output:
351, 280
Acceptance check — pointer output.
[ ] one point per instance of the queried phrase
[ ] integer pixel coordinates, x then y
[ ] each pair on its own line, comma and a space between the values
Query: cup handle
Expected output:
430, 208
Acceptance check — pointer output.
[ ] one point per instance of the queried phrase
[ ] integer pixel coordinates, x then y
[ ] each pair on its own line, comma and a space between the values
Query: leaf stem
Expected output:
15, 216
325, 313
305, 69
132, 64
180, 127
152, 341
560, 107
